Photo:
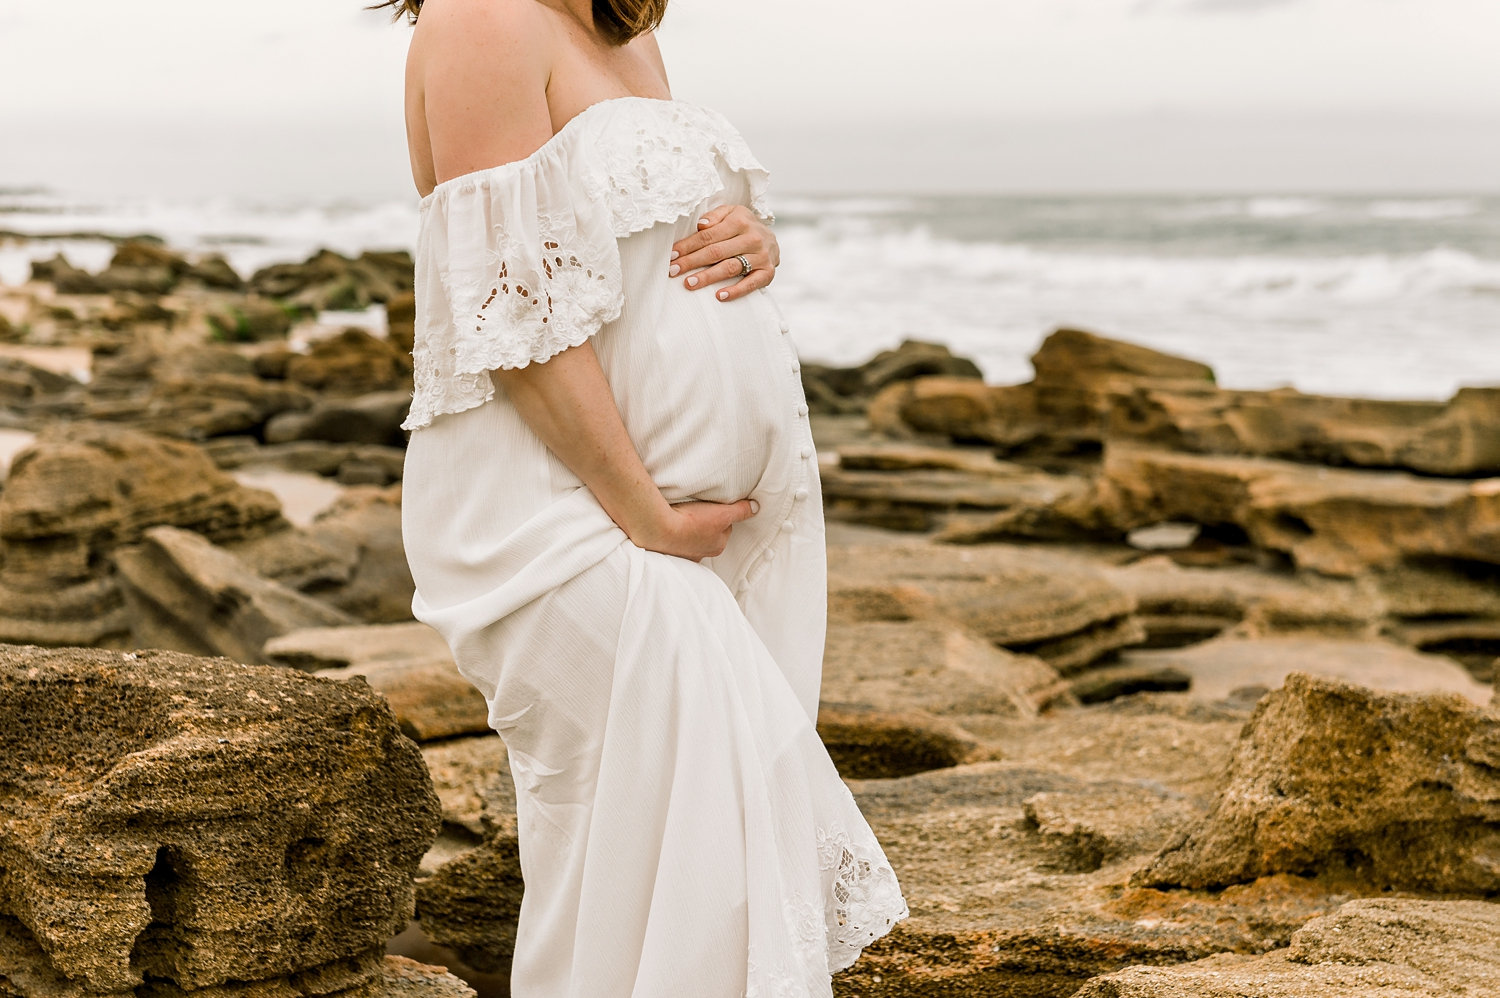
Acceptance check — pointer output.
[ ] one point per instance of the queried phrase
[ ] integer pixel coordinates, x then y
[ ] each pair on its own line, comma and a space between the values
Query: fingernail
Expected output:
754, 507
723, 296
692, 282
673, 271
674, 255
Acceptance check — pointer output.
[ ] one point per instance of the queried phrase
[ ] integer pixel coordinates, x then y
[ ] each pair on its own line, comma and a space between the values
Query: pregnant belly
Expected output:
708, 390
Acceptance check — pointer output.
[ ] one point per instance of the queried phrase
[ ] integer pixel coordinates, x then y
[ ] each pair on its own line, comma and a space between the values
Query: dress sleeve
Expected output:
514, 265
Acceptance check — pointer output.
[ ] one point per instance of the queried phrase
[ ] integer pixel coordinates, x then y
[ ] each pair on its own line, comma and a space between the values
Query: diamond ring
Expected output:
745, 267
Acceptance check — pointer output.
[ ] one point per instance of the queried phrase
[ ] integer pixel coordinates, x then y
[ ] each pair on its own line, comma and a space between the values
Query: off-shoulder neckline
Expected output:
541, 150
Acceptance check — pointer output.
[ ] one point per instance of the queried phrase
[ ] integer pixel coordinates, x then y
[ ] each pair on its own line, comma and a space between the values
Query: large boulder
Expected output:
1368, 948
409, 664
329, 280
185, 824
1063, 410
352, 362
81, 491
849, 389
1384, 790
374, 418
188, 594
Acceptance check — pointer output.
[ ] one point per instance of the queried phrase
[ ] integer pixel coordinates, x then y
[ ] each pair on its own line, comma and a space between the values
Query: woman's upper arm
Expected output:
485, 66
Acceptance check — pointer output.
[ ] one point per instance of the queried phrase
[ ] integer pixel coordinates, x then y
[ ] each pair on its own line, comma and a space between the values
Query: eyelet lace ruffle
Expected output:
520, 262
861, 902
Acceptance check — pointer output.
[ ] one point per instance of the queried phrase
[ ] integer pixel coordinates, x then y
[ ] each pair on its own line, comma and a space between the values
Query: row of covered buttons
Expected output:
787, 525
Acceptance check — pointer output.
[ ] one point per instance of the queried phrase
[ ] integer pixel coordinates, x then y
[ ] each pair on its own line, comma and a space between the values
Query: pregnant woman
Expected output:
611, 510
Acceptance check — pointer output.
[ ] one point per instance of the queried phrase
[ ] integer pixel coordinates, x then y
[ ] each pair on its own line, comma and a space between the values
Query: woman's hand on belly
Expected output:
710, 255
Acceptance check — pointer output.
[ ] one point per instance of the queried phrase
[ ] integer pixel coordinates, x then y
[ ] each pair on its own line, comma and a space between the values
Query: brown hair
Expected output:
619, 20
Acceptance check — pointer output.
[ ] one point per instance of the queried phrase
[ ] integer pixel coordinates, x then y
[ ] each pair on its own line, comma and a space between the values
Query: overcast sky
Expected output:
867, 95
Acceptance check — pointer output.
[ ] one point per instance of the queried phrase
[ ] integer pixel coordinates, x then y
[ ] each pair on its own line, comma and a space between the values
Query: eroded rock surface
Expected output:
1056, 607
1375, 948
1335, 521
81, 491
188, 594
184, 824
410, 664
1386, 790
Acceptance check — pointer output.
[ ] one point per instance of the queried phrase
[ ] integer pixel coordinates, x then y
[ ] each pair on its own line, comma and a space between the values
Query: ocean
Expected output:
1388, 296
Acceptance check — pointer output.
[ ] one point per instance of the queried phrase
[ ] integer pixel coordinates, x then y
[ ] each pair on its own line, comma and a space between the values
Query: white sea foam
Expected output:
1395, 297
1424, 209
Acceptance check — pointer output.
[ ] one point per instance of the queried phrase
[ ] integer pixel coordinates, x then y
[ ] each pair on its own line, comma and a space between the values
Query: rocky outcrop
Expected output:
331, 281
1375, 948
904, 486
849, 389
350, 363
1063, 410
1333, 521
186, 824
22, 384
81, 491
374, 418
1089, 389
1457, 438
409, 664
1386, 790
405, 978
187, 594
470, 895
900, 665
866, 743
1223, 665
1056, 607
401, 321
365, 523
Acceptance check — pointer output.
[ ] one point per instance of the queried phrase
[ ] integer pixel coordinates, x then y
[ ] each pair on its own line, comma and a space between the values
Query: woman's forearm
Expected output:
568, 404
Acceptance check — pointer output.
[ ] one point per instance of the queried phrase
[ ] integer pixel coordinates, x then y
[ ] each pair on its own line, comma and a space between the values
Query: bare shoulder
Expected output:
481, 74
485, 28
652, 51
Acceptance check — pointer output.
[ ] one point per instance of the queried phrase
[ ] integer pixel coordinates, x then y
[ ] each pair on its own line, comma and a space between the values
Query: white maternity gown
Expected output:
683, 832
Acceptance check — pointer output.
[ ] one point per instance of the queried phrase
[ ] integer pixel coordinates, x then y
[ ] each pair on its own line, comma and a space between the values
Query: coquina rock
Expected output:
189, 825
1456, 438
898, 665
1333, 521
188, 594
350, 363
906, 486
1063, 410
1385, 790
849, 389
1056, 607
409, 664
81, 491
1368, 948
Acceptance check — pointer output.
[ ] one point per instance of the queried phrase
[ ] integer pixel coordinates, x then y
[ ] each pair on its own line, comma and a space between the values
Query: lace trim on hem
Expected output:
861, 903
